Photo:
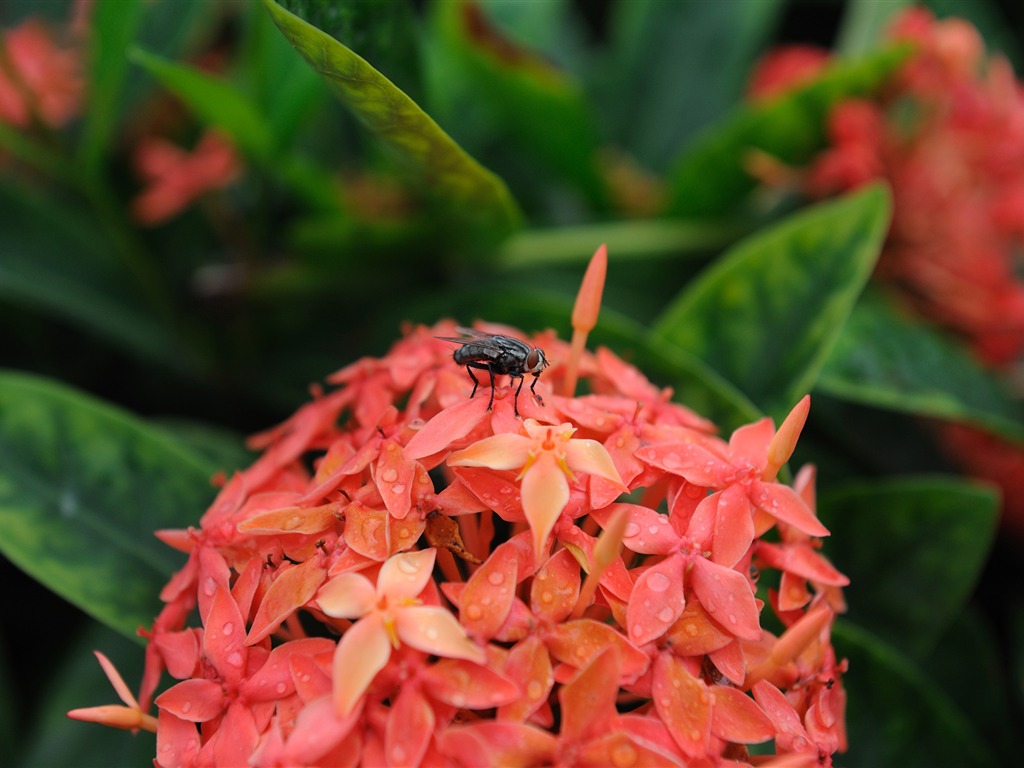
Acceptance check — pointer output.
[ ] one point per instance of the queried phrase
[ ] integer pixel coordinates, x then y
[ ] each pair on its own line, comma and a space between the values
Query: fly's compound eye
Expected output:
535, 361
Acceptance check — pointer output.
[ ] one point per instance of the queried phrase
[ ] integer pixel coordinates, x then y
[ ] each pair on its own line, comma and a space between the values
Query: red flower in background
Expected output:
39, 78
177, 178
948, 136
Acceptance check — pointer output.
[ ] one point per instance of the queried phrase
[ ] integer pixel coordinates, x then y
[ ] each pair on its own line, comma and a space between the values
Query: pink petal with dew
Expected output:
120, 687
177, 741
394, 478
292, 589
785, 505
236, 738
529, 664
657, 601
733, 527
194, 700
446, 427
690, 461
727, 597
318, 730
504, 451
647, 532
730, 661
591, 458
224, 637
789, 731
487, 599
347, 596
737, 718
619, 748
409, 727
545, 492
556, 587
466, 685
362, 652
274, 679
434, 630
403, 576
683, 702
576, 643
800, 560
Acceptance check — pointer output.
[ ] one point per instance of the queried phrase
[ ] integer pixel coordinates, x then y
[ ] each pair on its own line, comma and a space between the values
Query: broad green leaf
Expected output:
401, 125
885, 357
766, 314
111, 32
82, 488
897, 716
529, 103
216, 102
913, 549
657, 89
710, 177
52, 740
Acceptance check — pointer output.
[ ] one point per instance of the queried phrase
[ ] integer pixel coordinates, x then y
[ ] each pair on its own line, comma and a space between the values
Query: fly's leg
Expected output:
515, 406
490, 403
469, 370
536, 378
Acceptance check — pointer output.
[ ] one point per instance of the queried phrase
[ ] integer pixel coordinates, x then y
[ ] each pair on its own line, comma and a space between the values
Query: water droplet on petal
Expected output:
235, 659
397, 754
672, 460
691, 629
281, 688
495, 577
458, 699
474, 611
732, 618
658, 582
694, 734
431, 633
623, 755
398, 489
665, 615
228, 628
534, 690
546, 597
186, 706
631, 530
389, 475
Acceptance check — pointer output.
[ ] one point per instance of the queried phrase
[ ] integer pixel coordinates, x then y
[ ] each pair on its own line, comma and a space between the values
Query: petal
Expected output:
734, 527
487, 599
445, 428
737, 718
194, 700
529, 665
657, 601
684, 704
292, 589
588, 700
727, 596
749, 444
498, 744
409, 727
784, 504
347, 596
505, 451
394, 478
576, 643
432, 629
403, 576
465, 685
224, 636
647, 532
545, 492
556, 587
591, 458
691, 461
362, 652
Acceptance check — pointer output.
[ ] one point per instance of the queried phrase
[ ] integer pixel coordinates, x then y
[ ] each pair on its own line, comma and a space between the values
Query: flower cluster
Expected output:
40, 78
948, 136
407, 577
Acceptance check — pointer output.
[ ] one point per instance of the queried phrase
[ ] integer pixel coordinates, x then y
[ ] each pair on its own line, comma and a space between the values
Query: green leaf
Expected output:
111, 32
529, 103
82, 488
896, 716
886, 357
913, 549
656, 88
710, 178
52, 740
216, 102
864, 24
766, 314
401, 125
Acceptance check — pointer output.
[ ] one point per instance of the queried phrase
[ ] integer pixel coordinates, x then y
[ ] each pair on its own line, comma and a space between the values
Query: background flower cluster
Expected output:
204, 207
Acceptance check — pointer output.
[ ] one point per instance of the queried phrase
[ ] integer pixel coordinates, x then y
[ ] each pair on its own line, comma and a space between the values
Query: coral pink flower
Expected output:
548, 457
40, 79
177, 178
406, 578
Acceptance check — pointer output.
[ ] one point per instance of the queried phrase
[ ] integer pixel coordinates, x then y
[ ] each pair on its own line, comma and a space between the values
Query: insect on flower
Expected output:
498, 355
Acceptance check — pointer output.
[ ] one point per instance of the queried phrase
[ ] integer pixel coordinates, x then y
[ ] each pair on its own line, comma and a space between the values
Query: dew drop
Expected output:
474, 611
505, 490
292, 523
389, 475
486, 600
694, 734
398, 488
209, 587
431, 633
710, 607
458, 699
631, 530
732, 618
665, 615
534, 690
186, 706
652, 529
305, 677
407, 565
547, 597
227, 629
691, 629
672, 460
397, 754
658, 582
235, 659
495, 577
280, 688
623, 755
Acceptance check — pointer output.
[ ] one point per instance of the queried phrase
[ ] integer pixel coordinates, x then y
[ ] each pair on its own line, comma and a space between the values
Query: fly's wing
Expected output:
473, 336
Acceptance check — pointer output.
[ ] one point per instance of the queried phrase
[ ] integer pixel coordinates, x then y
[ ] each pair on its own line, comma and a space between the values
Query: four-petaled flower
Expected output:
387, 615
549, 457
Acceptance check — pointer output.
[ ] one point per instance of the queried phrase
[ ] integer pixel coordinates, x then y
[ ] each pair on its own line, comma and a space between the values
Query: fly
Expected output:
498, 355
